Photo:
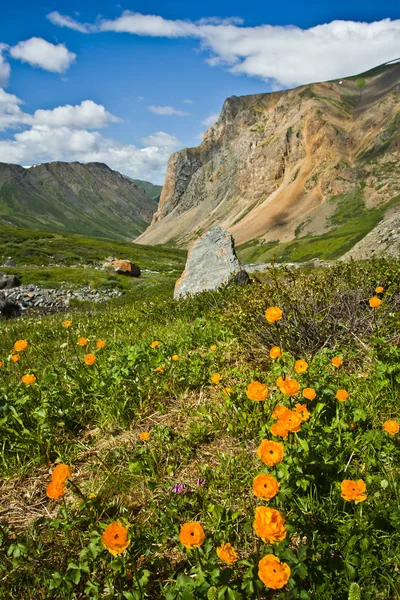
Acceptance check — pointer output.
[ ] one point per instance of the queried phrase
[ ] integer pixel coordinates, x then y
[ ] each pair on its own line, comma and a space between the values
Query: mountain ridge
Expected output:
275, 167
90, 199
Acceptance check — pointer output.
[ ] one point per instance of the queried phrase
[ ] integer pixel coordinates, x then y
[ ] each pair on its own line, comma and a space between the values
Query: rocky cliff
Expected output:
276, 167
89, 199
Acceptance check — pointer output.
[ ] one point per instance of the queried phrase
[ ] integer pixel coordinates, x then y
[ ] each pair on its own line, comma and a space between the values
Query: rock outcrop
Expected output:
123, 267
211, 263
273, 165
382, 241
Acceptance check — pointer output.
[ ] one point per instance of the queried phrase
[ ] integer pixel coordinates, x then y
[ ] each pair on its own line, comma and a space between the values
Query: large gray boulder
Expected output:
211, 263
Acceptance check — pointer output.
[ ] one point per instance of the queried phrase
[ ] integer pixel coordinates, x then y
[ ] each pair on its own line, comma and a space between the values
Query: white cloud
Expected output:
210, 120
285, 55
161, 139
4, 67
167, 110
65, 21
86, 115
187, 101
40, 53
64, 134
11, 115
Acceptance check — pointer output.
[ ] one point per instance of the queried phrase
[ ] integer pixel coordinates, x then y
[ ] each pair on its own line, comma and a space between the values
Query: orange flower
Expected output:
271, 453
1, 363
265, 486
115, 538
216, 378
303, 411
213, 348
273, 313
192, 535
300, 366
20, 345
55, 490
83, 341
227, 553
89, 359
28, 379
354, 490
291, 421
15, 357
155, 344
279, 411
175, 357
100, 344
337, 361
374, 302
269, 524
227, 391
159, 370
391, 427
273, 573
257, 391
288, 386
279, 429
379, 289
61, 473
342, 395
144, 436
67, 324
309, 393
275, 352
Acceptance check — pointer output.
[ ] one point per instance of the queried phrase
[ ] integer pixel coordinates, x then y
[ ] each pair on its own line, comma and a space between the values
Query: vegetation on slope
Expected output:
152, 190
89, 199
350, 222
155, 439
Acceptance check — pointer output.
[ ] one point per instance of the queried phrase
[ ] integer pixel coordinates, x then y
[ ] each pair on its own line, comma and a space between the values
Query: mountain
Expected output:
291, 174
153, 191
89, 199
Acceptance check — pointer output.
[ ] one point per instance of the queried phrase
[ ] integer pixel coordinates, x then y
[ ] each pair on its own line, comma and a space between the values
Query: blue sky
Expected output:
127, 84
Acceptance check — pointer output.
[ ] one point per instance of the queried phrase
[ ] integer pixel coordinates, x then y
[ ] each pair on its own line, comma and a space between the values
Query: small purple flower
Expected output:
179, 488
200, 482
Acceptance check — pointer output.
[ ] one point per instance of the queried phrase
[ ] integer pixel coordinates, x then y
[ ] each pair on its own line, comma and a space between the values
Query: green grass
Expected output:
351, 221
91, 418
31, 247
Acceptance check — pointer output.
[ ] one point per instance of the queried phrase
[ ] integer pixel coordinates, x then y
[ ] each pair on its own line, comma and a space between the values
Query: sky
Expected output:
127, 84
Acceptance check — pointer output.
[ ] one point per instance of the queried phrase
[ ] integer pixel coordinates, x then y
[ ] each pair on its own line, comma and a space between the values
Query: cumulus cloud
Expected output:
86, 115
167, 110
40, 53
210, 120
4, 67
67, 133
11, 115
283, 55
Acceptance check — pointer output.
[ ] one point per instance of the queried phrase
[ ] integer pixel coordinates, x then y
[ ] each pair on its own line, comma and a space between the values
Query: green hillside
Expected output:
153, 191
89, 199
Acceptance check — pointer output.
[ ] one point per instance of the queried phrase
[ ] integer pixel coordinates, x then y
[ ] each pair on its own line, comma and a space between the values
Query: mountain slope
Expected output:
88, 199
153, 191
288, 165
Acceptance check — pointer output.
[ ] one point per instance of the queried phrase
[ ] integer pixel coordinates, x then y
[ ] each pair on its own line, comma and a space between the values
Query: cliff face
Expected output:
272, 164
89, 199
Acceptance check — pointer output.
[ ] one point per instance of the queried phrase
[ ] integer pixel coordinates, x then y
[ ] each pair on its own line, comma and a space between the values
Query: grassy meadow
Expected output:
213, 449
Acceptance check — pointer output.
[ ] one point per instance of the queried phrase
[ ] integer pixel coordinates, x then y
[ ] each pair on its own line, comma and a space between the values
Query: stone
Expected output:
211, 263
123, 267
9, 308
9, 281
9, 262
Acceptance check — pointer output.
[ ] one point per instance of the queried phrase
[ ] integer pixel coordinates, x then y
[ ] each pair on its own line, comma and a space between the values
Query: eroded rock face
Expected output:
275, 164
212, 263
